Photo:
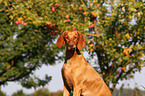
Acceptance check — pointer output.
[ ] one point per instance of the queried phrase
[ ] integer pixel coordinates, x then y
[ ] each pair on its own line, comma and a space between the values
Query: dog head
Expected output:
72, 39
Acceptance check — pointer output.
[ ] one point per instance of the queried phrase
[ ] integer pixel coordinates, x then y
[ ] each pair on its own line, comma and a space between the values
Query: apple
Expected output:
98, 5
56, 4
50, 26
56, 31
110, 1
126, 53
68, 20
53, 9
53, 34
123, 68
127, 49
94, 15
24, 24
80, 8
67, 16
91, 49
91, 26
17, 22
73, 28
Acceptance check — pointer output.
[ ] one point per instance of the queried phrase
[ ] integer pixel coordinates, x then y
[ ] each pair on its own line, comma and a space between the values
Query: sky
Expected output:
57, 84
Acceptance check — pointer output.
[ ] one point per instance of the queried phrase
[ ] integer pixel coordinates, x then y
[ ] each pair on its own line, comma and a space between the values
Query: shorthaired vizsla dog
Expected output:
78, 75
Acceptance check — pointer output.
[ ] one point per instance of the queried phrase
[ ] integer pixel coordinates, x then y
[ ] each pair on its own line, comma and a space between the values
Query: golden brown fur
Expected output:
78, 75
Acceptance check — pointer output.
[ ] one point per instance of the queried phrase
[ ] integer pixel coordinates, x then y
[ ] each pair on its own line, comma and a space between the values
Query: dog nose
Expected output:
71, 44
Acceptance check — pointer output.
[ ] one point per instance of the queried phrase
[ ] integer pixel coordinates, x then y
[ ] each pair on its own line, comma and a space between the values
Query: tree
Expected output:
128, 92
19, 93
2, 93
23, 49
42, 92
118, 38
114, 30
58, 93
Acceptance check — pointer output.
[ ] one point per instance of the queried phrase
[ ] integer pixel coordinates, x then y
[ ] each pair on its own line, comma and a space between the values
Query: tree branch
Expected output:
20, 76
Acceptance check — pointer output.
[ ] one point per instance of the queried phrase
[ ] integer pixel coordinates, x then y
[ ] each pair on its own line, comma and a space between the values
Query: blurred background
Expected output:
30, 62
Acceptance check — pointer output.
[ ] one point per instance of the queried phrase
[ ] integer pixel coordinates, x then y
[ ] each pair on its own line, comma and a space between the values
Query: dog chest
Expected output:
67, 77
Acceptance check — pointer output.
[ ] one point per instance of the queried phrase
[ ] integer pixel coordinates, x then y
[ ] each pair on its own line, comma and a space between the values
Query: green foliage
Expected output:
58, 93
23, 49
35, 82
46, 92
142, 86
42, 92
19, 93
118, 42
2, 93
114, 31
128, 92
39, 92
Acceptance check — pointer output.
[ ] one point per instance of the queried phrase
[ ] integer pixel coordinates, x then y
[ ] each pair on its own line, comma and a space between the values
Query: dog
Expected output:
78, 75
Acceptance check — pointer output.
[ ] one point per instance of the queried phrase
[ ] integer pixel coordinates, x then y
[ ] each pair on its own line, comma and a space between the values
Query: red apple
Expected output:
94, 15
53, 34
80, 8
50, 26
17, 22
91, 49
56, 4
98, 5
91, 26
73, 28
127, 49
24, 24
56, 31
125, 52
123, 68
52, 9
68, 20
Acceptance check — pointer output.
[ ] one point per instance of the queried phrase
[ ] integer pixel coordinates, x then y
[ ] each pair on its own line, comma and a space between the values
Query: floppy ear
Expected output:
82, 41
60, 40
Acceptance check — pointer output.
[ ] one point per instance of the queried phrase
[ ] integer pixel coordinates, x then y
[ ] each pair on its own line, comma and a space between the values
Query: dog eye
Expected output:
75, 37
66, 37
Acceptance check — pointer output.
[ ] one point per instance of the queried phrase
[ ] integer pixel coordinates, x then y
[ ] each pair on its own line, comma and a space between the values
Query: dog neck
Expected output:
71, 53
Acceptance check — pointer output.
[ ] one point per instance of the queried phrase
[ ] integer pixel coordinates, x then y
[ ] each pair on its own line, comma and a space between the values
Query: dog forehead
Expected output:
71, 33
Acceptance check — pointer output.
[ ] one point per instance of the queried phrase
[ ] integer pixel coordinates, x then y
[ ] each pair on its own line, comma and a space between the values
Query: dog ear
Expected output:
81, 41
60, 40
